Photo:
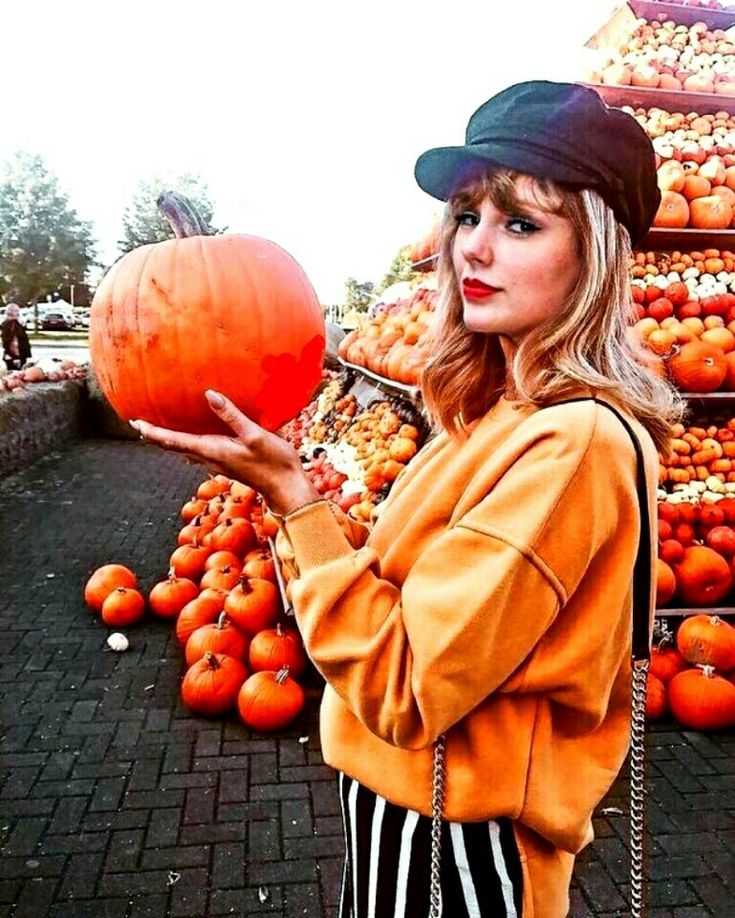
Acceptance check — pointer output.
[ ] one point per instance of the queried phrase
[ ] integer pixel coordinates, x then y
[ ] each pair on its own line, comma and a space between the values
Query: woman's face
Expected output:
514, 270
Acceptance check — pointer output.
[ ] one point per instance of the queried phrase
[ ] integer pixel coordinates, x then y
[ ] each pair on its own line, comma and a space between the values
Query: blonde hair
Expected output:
587, 345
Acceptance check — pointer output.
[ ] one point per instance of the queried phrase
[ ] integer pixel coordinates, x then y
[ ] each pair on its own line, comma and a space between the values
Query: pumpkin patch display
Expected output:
233, 313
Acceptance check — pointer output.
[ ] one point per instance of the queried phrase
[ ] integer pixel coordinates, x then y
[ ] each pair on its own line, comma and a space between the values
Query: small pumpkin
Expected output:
698, 366
665, 583
656, 701
189, 560
701, 700
213, 486
707, 639
194, 507
196, 530
235, 534
259, 563
274, 648
703, 577
211, 685
122, 608
216, 637
106, 579
253, 604
666, 661
269, 701
169, 597
202, 610
223, 559
221, 578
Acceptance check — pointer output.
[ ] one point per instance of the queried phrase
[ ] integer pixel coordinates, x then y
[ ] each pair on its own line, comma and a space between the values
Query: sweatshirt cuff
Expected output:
315, 535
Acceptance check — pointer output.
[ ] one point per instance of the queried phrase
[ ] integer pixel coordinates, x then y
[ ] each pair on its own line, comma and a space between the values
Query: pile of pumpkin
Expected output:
19, 379
700, 196
687, 137
701, 456
703, 273
390, 343
353, 455
221, 592
692, 676
696, 552
691, 340
663, 55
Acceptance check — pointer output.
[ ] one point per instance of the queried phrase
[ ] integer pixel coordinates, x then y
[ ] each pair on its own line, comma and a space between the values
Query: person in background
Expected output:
476, 643
16, 346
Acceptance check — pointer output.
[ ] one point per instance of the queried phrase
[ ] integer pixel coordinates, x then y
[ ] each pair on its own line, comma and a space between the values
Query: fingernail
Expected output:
134, 425
215, 399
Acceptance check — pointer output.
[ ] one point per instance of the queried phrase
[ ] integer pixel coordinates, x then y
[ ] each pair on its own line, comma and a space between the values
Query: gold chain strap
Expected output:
637, 788
437, 807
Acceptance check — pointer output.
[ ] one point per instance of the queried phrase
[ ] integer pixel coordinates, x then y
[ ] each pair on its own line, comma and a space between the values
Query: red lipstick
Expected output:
475, 289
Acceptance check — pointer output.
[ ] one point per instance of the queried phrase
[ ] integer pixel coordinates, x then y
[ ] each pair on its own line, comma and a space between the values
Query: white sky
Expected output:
305, 118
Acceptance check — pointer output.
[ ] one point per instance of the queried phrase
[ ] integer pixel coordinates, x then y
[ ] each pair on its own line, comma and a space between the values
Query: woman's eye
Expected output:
468, 218
521, 226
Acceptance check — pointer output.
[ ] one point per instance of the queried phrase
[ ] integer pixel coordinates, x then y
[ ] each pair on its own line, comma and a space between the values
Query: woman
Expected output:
490, 604
16, 346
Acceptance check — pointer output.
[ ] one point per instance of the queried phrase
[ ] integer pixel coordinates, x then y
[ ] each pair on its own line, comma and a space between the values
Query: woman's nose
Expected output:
477, 246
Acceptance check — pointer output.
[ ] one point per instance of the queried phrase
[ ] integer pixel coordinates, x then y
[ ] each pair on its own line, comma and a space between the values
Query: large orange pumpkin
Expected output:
698, 366
711, 212
702, 700
233, 313
707, 639
703, 577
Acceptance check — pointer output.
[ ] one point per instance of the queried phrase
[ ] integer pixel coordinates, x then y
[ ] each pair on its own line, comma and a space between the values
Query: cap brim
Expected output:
441, 170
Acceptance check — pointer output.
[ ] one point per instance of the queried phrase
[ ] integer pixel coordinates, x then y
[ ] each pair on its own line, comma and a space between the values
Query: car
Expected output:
54, 321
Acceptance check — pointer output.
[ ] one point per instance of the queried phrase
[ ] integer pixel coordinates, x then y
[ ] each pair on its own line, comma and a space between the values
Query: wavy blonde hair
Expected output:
588, 344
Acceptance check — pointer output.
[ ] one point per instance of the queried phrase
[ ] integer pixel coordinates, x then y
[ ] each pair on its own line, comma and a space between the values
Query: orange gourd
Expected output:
211, 685
122, 608
701, 700
234, 313
707, 639
703, 577
673, 210
106, 579
698, 367
216, 637
270, 701
711, 212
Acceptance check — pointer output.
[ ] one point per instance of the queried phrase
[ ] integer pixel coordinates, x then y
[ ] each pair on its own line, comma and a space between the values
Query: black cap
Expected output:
560, 131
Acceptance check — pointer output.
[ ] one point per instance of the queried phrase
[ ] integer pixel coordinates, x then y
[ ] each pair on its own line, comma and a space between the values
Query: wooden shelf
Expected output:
687, 240
682, 15
703, 103
725, 611
714, 398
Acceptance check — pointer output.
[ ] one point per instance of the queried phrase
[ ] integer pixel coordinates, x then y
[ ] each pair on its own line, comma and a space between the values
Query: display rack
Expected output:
671, 100
682, 15
722, 611
412, 393
687, 239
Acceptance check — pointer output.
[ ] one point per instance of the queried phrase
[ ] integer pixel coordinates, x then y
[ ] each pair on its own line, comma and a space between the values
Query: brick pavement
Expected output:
116, 801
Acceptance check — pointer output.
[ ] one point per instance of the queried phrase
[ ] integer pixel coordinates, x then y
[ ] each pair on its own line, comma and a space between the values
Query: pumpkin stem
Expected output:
245, 584
222, 621
212, 660
279, 629
181, 215
172, 573
281, 675
707, 670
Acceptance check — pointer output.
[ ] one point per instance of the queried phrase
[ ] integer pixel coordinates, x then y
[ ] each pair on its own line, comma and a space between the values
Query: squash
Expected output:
211, 684
234, 313
703, 577
122, 608
698, 367
701, 700
707, 639
269, 701
106, 579
673, 211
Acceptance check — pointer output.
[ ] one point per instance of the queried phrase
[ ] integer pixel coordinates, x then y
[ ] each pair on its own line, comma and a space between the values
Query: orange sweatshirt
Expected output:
491, 602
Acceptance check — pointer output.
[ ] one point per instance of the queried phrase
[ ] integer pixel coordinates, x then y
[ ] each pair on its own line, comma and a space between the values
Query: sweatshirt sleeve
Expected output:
411, 662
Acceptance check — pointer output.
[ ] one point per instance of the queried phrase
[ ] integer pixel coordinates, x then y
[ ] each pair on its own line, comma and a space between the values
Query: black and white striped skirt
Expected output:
387, 871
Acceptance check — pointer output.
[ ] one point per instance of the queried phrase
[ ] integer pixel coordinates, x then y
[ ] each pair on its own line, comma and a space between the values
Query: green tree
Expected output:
400, 270
142, 221
44, 245
358, 295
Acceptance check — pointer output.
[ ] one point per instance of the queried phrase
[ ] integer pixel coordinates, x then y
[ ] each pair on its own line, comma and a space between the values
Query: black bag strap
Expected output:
643, 570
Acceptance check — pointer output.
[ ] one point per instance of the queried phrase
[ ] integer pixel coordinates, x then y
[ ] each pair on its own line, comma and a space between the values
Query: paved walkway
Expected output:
116, 801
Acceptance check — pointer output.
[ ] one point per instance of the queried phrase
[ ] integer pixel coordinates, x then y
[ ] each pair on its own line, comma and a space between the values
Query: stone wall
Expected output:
38, 419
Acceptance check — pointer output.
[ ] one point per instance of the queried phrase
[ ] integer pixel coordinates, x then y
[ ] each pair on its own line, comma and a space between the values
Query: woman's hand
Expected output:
253, 456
